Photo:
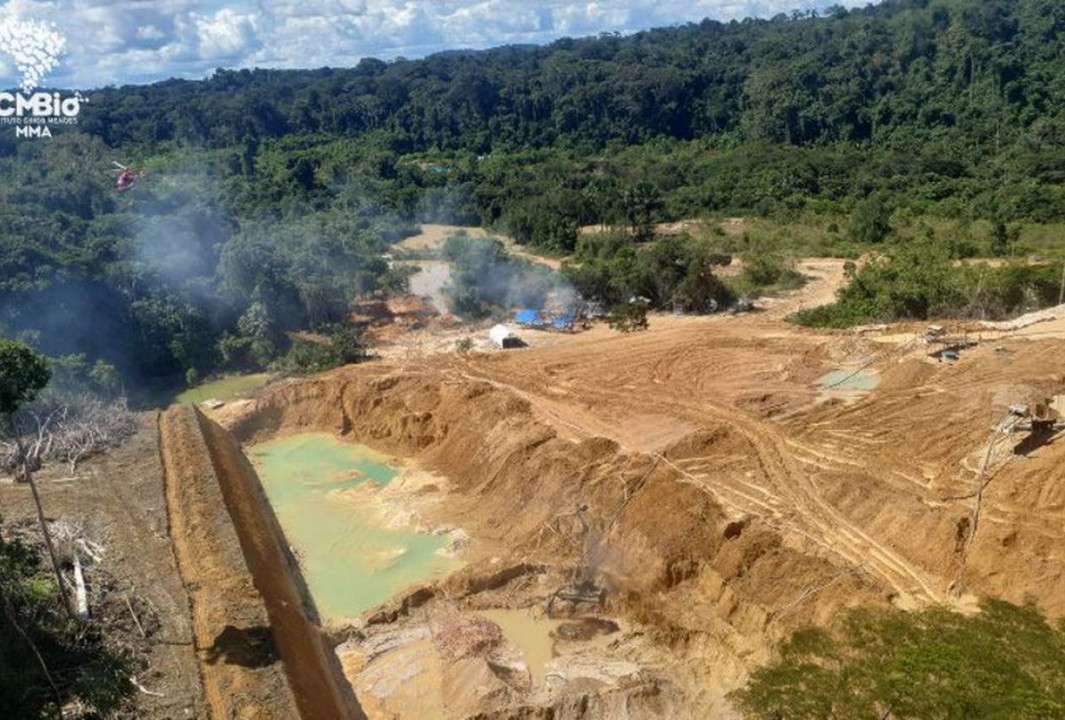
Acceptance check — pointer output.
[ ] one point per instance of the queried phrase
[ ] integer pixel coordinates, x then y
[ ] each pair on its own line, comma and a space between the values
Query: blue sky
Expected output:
135, 41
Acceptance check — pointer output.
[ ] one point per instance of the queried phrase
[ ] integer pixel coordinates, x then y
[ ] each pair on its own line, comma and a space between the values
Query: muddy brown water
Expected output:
530, 634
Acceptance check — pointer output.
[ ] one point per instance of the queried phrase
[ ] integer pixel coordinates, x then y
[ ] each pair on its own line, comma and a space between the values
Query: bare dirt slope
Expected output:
699, 473
866, 483
249, 615
241, 674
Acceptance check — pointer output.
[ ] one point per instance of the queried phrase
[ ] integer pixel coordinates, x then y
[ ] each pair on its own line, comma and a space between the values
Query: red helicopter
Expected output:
127, 178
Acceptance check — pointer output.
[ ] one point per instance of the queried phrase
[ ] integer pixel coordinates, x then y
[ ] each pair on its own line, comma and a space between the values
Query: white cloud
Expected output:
227, 34
149, 32
117, 41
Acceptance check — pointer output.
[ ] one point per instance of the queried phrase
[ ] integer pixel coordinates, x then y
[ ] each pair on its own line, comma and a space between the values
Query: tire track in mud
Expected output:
808, 514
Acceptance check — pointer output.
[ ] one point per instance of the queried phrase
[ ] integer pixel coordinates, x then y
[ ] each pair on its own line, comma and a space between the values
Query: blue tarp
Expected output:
529, 318
564, 323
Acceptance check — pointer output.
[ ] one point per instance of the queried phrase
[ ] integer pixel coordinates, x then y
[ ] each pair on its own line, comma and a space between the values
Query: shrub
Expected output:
770, 271
675, 271
89, 673
1006, 662
871, 220
919, 281
343, 346
629, 317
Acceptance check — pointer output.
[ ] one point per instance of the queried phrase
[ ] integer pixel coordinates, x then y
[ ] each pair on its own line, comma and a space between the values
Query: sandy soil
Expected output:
863, 483
432, 237
848, 482
430, 281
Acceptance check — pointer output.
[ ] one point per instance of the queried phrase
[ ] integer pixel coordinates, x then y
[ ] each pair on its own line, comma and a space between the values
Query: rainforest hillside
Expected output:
269, 196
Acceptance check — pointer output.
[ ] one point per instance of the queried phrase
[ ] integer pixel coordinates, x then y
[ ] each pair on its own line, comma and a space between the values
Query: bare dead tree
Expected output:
29, 461
66, 431
69, 431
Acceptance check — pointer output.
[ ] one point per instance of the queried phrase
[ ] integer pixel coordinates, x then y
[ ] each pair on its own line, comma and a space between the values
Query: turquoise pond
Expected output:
844, 380
352, 561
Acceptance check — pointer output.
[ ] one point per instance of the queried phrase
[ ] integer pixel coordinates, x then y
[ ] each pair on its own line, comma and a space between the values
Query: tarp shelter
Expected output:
529, 318
564, 323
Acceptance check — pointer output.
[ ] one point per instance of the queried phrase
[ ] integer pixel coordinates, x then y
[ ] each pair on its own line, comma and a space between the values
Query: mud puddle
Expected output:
848, 384
529, 634
354, 557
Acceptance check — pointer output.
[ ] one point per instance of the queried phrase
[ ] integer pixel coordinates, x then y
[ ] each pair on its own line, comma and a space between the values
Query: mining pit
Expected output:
348, 549
604, 527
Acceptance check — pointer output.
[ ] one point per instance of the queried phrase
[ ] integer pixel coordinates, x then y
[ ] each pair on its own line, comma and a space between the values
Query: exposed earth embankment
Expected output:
711, 590
261, 654
700, 486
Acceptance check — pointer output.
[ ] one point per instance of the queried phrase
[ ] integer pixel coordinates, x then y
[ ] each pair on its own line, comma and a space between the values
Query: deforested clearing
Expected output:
693, 488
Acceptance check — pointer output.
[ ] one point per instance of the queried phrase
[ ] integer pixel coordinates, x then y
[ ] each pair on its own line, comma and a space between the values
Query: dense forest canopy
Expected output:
270, 196
898, 72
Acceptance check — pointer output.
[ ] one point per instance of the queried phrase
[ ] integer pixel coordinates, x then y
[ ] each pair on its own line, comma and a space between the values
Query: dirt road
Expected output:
432, 237
645, 412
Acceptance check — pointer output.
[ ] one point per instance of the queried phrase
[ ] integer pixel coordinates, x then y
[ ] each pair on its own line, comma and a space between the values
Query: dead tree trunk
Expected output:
25, 458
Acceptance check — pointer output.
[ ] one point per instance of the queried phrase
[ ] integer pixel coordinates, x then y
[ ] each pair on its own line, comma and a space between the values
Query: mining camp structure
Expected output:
503, 338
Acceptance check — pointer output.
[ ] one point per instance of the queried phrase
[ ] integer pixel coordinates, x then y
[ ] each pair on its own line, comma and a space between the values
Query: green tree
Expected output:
642, 203
1003, 238
23, 374
261, 332
106, 378
871, 220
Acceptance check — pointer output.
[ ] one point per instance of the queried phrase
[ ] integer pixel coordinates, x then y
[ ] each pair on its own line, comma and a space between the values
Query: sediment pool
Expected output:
322, 491
531, 634
844, 384
856, 380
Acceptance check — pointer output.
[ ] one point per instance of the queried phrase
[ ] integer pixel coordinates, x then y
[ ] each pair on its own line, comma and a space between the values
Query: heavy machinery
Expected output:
1043, 422
1041, 418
